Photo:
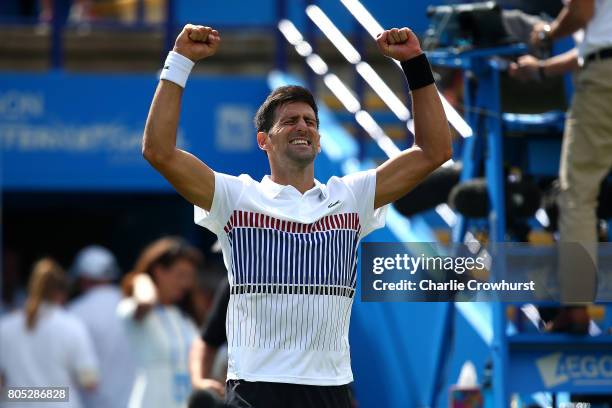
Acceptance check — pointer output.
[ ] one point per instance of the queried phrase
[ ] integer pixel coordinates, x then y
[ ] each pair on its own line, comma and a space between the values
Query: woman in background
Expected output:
43, 345
158, 313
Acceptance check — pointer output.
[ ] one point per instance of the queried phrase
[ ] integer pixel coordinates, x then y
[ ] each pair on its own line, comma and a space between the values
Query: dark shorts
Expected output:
246, 394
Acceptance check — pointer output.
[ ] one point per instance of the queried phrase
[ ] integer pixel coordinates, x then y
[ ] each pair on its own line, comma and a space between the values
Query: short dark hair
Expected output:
264, 118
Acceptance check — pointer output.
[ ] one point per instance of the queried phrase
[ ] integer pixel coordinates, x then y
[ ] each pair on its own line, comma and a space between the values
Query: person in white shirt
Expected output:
289, 242
45, 346
96, 269
158, 315
586, 153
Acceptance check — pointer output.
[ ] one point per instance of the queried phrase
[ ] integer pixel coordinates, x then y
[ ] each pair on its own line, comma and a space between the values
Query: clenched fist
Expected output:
400, 44
197, 42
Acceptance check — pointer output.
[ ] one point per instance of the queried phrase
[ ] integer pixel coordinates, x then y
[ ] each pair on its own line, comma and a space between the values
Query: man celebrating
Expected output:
290, 242
586, 153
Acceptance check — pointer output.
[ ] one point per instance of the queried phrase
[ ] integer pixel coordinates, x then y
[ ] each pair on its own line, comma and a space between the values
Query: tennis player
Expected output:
290, 242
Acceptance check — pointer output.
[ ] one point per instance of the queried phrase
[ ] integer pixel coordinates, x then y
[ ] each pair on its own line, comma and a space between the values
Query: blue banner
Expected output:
62, 131
582, 365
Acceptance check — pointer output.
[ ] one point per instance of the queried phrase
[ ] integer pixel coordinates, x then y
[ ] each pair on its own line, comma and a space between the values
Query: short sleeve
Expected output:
228, 190
363, 187
83, 359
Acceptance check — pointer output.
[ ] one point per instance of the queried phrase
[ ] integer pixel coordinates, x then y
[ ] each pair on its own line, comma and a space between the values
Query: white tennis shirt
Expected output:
598, 33
292, 267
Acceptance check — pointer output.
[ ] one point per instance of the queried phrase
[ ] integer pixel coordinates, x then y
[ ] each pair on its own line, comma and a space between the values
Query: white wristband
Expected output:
176, 69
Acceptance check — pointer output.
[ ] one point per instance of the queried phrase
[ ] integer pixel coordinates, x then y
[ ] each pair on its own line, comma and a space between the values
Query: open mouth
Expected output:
300, 142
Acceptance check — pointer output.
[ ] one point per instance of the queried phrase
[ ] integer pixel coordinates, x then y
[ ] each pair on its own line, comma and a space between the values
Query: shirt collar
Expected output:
273, 190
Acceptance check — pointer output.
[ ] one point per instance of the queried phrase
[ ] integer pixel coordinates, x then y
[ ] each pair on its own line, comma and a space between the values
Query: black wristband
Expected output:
418, 72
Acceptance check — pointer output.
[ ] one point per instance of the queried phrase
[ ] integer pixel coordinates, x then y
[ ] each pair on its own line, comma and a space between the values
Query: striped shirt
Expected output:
292, 265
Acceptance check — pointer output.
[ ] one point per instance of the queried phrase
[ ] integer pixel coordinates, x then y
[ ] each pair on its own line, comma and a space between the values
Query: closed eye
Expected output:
292, 121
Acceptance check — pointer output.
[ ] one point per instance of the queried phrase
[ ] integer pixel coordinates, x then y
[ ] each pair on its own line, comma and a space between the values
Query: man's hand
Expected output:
400, 44
540, 35
575, 15
209, 384
527, 68
197, 42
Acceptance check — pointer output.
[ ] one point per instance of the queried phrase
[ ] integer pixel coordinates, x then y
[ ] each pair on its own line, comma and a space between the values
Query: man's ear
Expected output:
262, 140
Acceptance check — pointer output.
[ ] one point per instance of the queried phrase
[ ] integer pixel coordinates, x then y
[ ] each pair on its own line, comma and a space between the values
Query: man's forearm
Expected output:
399, 174
160, 130
562, 63
195, 360
431, 130
193, 44
209, 354
572, 18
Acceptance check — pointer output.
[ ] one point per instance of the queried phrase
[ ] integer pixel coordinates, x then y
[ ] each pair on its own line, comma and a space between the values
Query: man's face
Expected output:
294, 134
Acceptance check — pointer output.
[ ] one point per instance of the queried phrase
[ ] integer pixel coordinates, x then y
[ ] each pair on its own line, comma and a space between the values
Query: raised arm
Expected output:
432, 147
191, 178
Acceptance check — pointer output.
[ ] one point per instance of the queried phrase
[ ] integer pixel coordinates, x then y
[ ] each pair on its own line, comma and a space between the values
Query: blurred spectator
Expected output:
50, 10
586, 156
158, 313
84, 11
95, 268
125, 11
208, 357
209, 284
43, 345
214, 336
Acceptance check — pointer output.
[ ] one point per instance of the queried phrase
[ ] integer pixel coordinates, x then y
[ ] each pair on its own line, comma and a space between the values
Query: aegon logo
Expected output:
21, 105
558, 368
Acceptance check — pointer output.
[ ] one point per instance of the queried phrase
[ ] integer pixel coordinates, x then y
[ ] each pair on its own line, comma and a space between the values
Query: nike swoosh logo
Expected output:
333, 204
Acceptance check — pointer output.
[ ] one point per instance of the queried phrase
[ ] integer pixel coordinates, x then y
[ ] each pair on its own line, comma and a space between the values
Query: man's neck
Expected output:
301, 179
